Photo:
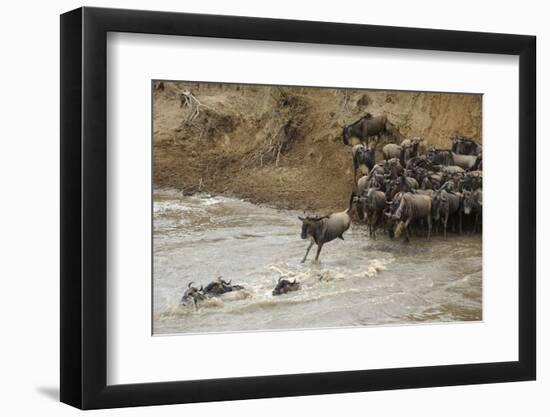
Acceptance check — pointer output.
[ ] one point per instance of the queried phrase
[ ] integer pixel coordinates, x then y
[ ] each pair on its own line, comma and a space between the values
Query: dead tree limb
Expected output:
191, 103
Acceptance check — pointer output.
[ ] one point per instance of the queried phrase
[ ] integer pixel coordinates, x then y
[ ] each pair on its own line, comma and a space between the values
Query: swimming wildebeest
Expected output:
412, 207
192, 294
220, 287
364, 128
284, 285
472, 203
363, 159
320, 230
444, 205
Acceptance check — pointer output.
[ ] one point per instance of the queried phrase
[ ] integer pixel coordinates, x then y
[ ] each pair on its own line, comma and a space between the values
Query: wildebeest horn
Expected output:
388, 201
189, 285
279, 280
301, 218
201, 288
294, 282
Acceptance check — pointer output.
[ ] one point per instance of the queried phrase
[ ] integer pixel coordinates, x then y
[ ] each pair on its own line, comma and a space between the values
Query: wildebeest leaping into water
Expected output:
321, 230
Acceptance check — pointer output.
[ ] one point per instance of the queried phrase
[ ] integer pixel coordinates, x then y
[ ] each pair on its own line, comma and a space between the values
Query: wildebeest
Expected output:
362, 187
411, 141
364, 128
409, 150
320, 230
451, 170
420, 161
400, 184
219, 287
411, 207
431, 182
478, 166
363, 158
445, 204
284, 285
465, 146
472, 203
472, 180
391, 150
375, 203
394, 168
464, 161
192, 294
378, 169
440, 156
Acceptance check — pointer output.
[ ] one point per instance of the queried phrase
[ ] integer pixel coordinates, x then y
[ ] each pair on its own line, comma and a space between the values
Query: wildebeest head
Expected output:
192, 294
283, 286
440, 202
309, 224
391, 211
346, 134
431, 154
468, 201
392, 187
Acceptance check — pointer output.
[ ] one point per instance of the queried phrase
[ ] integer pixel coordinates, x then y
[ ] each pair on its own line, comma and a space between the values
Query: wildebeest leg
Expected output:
429, 220
475, 223
459, 223
307, 251
445, 219
319, 247
406, 226
374, 223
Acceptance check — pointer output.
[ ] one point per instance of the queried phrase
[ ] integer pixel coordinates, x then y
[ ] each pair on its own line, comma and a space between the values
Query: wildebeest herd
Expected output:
412, 190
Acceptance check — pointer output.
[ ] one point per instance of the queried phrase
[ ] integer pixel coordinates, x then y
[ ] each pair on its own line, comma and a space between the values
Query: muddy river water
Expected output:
358, 281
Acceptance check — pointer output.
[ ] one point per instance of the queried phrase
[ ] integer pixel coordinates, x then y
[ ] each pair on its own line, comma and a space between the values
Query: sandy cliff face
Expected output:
283, 146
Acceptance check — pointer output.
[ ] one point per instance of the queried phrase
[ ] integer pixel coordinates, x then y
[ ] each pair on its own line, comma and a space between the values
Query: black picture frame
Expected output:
84, 207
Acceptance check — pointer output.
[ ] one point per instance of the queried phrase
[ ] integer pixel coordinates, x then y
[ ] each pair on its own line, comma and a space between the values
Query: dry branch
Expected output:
191, 103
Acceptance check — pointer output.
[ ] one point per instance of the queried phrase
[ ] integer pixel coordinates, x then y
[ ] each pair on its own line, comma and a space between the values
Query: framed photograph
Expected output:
259, 208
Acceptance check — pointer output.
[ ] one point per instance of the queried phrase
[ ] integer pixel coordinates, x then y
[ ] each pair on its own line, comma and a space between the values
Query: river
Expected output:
358, 281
